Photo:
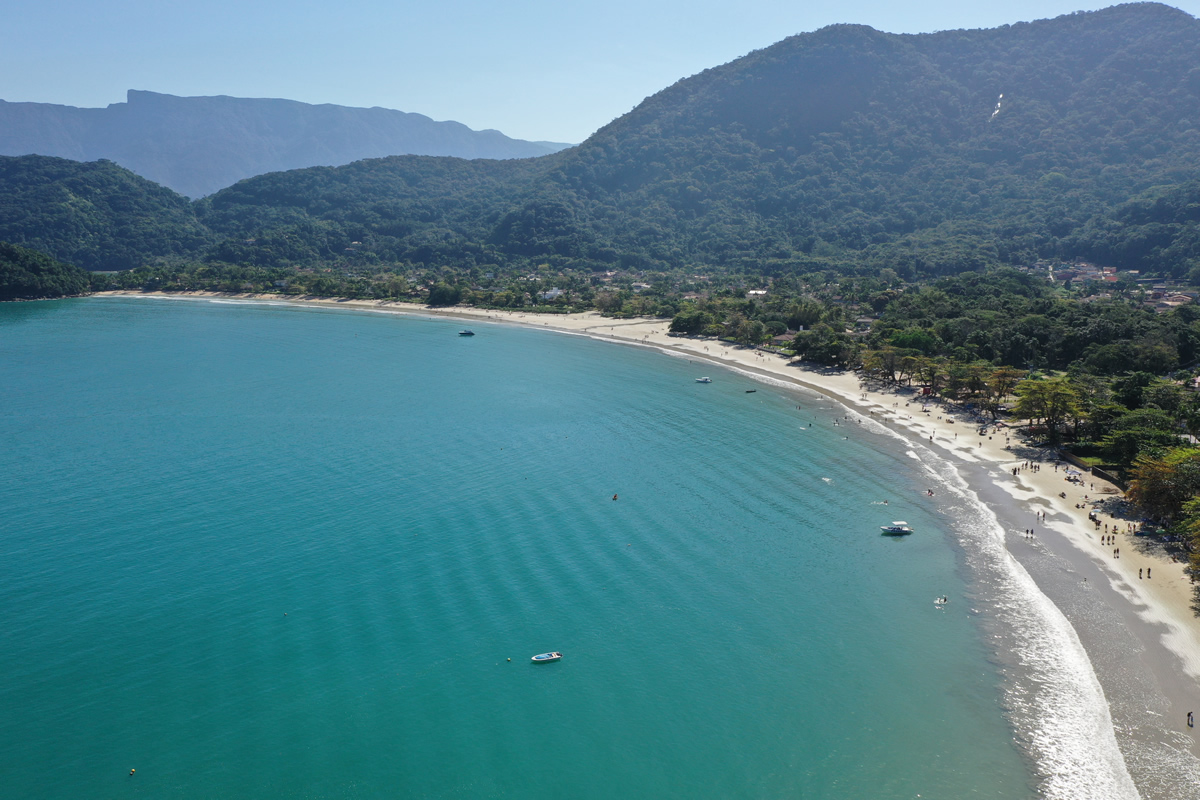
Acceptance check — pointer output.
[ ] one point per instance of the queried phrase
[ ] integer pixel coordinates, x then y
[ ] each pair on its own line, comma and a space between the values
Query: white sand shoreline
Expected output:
1164, 601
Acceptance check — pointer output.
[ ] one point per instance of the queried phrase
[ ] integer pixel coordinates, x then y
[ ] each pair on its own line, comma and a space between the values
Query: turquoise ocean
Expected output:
257, 551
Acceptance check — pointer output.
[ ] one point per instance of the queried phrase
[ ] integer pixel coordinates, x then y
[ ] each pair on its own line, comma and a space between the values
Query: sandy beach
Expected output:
1147, 596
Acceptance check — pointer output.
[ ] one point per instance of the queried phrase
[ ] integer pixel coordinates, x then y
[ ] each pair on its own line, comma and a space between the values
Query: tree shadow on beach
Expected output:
1031, 451
1159, 545
815, 368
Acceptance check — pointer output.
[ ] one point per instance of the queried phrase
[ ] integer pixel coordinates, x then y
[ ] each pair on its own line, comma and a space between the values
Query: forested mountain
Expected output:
197, 145
845, 149
846, 146
1157, 230
29, 275
95, 215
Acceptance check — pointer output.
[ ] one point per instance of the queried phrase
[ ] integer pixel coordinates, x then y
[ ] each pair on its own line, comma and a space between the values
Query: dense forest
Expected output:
29, 275
847, 148
95, 215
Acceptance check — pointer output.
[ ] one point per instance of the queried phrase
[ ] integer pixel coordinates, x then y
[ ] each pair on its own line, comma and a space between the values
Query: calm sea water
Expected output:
267, 552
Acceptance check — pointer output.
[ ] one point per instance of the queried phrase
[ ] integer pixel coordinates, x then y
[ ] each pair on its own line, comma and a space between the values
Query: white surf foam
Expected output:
1054, 699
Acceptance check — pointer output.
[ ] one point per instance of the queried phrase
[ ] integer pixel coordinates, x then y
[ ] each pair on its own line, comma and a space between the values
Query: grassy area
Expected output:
1092, 461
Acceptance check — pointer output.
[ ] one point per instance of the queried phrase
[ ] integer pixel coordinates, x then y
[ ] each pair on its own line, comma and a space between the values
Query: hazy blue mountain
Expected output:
198, 145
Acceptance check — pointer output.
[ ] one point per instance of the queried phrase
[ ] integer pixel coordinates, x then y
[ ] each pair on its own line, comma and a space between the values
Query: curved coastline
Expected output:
1144, 642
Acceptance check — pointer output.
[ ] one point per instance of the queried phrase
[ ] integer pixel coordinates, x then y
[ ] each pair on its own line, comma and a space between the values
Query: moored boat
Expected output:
703, 380
897, 528
542, 658
466, 332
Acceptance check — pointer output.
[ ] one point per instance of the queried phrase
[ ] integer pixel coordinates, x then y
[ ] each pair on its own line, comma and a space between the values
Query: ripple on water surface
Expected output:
423, 507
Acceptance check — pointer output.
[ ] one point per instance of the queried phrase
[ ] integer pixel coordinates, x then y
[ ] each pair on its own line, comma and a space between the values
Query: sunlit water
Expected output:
253, 551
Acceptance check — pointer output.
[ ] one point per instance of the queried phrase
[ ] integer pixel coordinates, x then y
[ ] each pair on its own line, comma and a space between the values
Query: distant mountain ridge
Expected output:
199, 145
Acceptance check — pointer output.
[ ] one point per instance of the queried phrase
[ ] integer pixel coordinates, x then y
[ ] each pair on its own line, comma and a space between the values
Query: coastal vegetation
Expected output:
94, 215
29, 275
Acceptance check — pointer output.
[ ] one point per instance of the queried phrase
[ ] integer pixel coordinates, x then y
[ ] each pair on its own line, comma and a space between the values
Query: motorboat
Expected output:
466, 332
897, 528
703, 380
542, 658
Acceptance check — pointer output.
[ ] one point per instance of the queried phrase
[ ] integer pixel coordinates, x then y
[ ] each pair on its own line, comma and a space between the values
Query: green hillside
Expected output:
29, 275
95, 215
403, 208
845, 146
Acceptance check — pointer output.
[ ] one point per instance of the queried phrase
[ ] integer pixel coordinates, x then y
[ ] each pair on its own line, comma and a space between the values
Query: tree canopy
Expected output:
29, 275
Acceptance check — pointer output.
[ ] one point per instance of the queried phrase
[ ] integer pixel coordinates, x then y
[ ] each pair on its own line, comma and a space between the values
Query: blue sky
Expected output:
534, 70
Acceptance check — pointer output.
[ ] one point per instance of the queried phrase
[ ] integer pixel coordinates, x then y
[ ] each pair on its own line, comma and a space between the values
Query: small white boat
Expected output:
466, 332
897, 528
542, 658
703, 380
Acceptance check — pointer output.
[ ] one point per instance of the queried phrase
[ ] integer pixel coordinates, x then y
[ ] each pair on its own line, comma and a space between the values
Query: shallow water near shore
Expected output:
254, 552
